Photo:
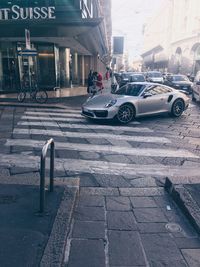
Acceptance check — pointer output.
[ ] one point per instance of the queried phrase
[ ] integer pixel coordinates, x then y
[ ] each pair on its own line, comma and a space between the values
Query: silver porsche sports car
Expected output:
134, 100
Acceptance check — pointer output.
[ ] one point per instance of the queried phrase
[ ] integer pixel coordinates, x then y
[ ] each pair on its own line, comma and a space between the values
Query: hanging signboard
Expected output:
28, 39
16, 12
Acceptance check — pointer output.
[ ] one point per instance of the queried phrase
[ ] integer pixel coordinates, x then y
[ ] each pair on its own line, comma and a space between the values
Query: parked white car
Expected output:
196, 88
154, 76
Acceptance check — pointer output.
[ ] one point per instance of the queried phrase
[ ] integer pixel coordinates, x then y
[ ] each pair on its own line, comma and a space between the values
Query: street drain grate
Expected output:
173, 227
8, 199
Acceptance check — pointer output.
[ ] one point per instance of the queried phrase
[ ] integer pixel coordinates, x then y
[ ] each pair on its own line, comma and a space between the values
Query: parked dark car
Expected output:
125, 78
180, 82
137, 77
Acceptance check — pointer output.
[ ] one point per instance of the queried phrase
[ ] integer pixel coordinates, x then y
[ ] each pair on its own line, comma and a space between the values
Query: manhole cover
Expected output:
173, 227
7, 199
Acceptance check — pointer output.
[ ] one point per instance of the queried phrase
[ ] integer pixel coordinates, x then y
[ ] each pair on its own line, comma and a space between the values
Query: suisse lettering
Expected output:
36, 12
16, 12
51, 11
44, 13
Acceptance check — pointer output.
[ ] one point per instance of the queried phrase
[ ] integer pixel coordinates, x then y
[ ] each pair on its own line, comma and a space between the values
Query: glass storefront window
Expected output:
9, 74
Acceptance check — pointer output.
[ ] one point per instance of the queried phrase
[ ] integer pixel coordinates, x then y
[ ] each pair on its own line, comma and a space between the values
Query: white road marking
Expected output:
54, 114
52, 118
147, 139
100, 167
87, 126
145, 152
47, 110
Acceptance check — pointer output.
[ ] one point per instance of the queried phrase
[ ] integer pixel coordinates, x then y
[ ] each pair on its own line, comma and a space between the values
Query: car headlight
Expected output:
111, 103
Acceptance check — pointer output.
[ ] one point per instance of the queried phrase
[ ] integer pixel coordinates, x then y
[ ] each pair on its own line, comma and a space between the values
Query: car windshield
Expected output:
126, 75
179, 78
130, 89
155, 74
137, 78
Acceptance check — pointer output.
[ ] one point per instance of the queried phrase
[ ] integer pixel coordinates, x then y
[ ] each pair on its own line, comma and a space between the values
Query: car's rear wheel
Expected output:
126, 113
177, 108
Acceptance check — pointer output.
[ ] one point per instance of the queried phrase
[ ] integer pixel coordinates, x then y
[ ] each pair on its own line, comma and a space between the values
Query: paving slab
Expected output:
128, 250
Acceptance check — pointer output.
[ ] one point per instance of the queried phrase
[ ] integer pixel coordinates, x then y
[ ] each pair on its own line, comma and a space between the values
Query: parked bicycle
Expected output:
35, 94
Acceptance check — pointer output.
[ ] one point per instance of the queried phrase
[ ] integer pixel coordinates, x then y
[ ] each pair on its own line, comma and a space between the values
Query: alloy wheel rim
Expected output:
178, 108
125, 114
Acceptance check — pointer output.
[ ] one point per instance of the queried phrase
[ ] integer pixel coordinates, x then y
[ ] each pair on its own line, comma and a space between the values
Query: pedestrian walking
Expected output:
97, 83
90, 81
107, 75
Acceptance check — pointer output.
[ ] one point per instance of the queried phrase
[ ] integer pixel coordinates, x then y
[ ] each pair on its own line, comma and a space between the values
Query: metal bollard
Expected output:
42, 172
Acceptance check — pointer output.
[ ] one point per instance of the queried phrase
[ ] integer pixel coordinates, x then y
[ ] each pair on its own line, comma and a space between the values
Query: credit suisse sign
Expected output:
16, 12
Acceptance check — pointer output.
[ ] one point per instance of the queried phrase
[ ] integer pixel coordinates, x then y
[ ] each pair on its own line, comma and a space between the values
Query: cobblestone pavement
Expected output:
123, 215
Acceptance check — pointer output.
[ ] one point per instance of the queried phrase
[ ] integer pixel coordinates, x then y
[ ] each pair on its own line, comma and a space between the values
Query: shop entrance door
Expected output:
27, 69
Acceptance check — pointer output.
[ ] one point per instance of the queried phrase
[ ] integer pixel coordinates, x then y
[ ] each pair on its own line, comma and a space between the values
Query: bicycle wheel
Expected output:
21, 96
41, 96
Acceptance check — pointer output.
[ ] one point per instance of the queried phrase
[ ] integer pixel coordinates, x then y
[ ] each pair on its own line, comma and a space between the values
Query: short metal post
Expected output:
52, 156
42, 171
42, 184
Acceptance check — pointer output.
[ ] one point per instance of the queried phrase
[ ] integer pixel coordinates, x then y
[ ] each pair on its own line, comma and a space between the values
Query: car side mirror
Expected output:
145, 95
198, 83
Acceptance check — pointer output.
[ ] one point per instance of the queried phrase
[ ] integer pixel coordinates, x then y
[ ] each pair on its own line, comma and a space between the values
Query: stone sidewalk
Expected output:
119, 226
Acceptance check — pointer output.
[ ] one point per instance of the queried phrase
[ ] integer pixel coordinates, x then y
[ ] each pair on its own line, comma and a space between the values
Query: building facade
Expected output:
54, 42
172, 38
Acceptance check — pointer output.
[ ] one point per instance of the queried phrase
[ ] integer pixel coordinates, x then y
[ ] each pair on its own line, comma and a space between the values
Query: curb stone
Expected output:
54, 250
185, 202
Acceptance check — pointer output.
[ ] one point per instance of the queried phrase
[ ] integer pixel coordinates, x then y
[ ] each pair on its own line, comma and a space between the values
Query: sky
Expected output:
128, 18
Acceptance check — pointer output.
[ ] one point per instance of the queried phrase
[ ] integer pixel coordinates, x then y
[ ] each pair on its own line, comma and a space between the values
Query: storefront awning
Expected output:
74, 34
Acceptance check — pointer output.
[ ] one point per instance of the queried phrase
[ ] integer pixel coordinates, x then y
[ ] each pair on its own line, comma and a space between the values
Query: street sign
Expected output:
28, 53
28, 39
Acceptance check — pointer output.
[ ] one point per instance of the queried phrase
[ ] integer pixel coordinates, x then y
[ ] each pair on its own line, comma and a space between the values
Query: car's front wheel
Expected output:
177, 108
126, 113
193, 97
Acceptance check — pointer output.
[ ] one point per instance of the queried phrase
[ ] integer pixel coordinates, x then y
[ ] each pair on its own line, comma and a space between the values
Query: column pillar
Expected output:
67, 63
83, 69
76, 67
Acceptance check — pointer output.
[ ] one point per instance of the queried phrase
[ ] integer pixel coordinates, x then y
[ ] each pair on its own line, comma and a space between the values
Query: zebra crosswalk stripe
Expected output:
66, 114
98, 167
58, 111
145, 139
86, 126
43, 118
107, 149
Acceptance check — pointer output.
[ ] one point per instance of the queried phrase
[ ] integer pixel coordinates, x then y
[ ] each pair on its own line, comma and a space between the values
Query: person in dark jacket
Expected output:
90, 80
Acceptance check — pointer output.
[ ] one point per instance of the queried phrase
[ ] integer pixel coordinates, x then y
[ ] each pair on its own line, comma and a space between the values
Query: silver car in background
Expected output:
134, 100
154, 76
